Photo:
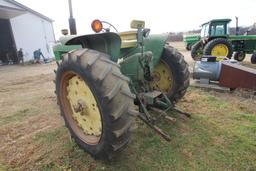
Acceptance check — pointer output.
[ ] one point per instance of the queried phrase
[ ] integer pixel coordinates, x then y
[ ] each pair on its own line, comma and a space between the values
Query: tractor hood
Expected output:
242, 37
109, 43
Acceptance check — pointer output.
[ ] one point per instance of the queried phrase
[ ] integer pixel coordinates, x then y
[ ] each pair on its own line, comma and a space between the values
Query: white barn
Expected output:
22, 27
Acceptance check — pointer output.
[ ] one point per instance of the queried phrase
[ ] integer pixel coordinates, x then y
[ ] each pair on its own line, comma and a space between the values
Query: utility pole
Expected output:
72, 21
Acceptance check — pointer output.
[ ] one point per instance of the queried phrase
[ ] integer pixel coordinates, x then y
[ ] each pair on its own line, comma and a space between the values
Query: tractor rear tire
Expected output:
253, 58
178, 68
197, 51
224, 45
239, 56
112, 99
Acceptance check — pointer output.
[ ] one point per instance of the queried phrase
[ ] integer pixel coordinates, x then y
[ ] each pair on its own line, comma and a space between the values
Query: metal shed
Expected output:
22, 27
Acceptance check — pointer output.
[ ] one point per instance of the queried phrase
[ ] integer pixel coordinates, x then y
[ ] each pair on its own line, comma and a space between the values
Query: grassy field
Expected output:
221, 135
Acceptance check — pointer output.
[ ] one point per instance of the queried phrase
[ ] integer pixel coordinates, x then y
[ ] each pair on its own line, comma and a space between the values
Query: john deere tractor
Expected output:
99, 85
215, 40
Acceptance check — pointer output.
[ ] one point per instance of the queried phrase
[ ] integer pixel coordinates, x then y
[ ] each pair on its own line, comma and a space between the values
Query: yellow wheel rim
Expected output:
82, 108
162, 77
220, 50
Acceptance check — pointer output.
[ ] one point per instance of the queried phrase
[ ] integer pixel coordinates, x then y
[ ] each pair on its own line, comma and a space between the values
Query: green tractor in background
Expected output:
190, 40
215, 40
107, 74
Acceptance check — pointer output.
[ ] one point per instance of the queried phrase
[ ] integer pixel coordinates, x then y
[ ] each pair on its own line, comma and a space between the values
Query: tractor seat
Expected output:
128, 38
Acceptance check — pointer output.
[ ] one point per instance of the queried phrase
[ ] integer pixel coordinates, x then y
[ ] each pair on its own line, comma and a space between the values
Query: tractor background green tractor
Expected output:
190, 40
100, 81
215, 40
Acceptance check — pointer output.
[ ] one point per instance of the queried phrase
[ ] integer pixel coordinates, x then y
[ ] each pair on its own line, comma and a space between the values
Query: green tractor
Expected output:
190, 40
216, 41
99, 85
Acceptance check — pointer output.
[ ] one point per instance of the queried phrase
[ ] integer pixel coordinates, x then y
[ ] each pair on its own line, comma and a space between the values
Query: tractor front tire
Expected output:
95, 102
188, 47
253, 58
239, 56
219, 47
197, 51
171, 75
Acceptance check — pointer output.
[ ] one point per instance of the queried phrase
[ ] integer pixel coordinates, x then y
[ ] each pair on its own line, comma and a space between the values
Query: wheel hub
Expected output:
162, 77
156, 76
85, 111
220, 50
240, 56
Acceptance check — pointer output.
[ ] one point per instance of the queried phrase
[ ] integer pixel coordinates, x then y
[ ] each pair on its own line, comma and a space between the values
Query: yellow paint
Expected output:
128, 38
88, 116
220, 50
162, 77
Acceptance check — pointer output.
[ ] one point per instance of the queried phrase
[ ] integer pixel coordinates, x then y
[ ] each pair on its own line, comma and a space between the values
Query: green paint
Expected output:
155, 44
190, 40
110, 43
60, 49
242, 37
130, 65
245, 43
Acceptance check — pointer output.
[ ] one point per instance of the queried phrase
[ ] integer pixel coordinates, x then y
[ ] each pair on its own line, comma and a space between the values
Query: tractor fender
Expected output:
155, 44
109, 43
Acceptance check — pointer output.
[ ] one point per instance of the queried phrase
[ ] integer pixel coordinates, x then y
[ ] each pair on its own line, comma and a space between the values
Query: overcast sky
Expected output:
160, 15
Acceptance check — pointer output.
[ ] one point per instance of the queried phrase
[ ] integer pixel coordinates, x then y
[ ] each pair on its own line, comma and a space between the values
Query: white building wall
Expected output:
31, 33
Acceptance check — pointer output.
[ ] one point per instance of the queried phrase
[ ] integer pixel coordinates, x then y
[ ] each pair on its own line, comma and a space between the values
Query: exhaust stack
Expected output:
72, 21
237, 27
